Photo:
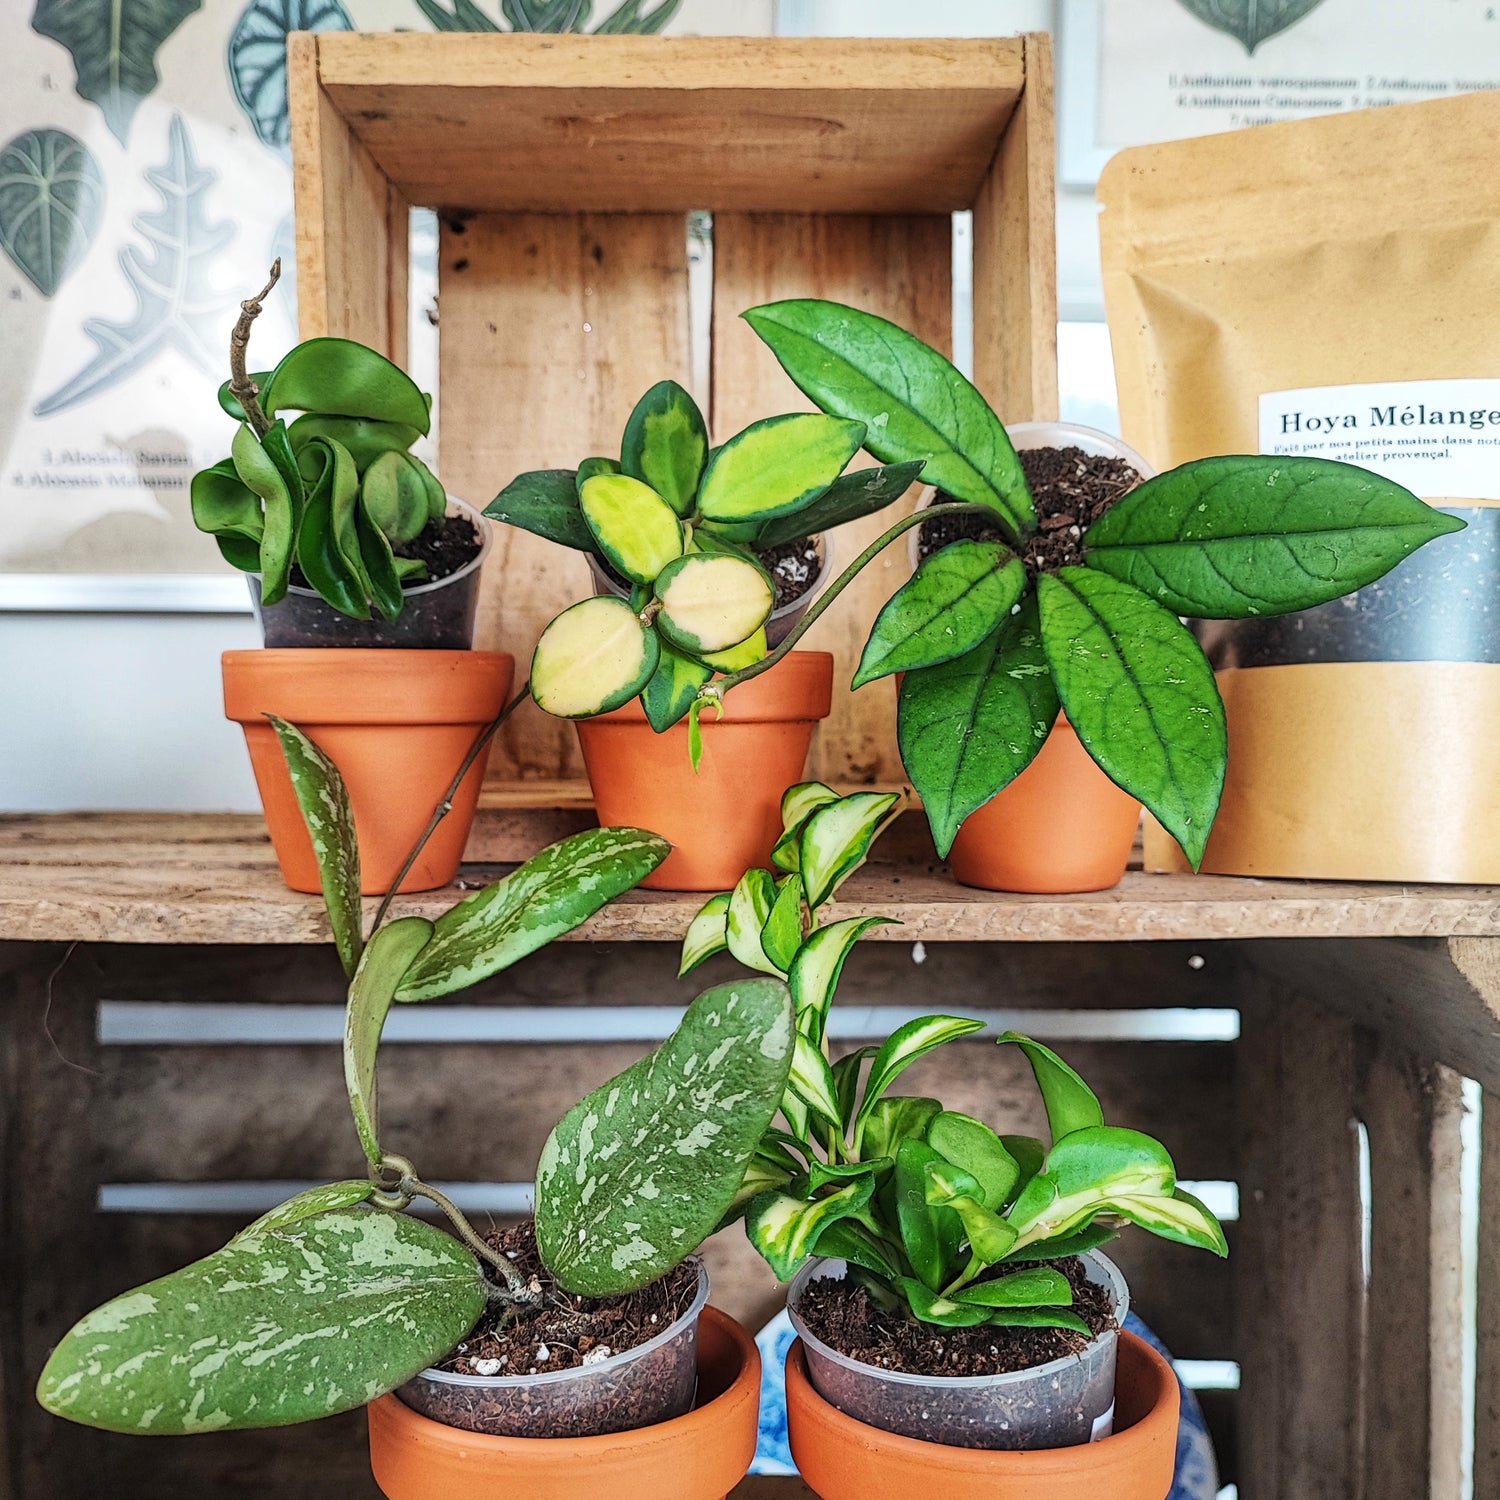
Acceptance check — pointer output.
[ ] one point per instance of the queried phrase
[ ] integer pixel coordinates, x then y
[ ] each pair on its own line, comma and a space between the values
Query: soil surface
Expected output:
846, 1318
445, 549
1071, 488
793, 567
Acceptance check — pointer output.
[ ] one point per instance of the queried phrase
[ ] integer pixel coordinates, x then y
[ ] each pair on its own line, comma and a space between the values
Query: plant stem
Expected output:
965, 1276
241, 387
717, 689
515, 1283
445, 807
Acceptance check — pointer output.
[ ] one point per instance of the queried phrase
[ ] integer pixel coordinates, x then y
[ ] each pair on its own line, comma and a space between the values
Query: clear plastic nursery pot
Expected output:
1056, 1405
652, 1383
700, 1455
1062, 825
726, 816
436, 616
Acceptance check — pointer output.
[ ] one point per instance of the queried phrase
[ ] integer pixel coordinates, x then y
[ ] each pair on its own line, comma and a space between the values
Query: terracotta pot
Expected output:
396, 723
727, 816
700, 1456
1062, 825
842, 1459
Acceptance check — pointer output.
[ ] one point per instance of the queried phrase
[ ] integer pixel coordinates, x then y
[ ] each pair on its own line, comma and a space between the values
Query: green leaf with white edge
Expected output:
545, 503
594, 657
637, 531
749, 907
897, 1118
849, 1241
281, 510
1038, 1286
637, 1174
552, 893
666, 444
1078, 1242
324, 800
764, 1175
711, 602
915, 404
815, 970
1071, 1104
903, 1047
342, 378
1140, 694
594, 466
812, 1082
394, 493
282, 1326
786, 1229
749, 651
972, 1145
1038, 1317
970, 726
386, 958
781, 936
846, 1075
1181, 1217
836, 839
364, 440
955, 600
776, 466
1236, 537
930, 1234
861, 492
673, 686
308, 1204
798, 804
707, 934
933, 1307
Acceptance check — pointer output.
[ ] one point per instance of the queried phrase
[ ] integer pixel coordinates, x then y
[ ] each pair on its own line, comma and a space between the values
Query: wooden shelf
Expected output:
199, 878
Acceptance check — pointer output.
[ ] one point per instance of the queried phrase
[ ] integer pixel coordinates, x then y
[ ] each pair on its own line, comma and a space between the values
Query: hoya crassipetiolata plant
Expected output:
338, 1295
338, 492
683, 526
927, 1206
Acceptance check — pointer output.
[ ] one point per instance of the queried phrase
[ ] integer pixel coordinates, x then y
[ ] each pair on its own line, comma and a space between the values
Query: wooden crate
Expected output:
564, 168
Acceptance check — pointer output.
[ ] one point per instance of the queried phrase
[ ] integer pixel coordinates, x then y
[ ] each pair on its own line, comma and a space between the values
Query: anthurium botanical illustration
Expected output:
1251, 21
114, 45
551, 16
177, 304
51, 200
257, 58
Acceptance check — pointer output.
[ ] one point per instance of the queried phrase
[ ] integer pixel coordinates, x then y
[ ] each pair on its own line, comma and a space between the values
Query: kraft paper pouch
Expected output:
1331, 287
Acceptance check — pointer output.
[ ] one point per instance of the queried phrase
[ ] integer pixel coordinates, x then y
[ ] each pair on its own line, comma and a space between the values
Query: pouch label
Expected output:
1439, 438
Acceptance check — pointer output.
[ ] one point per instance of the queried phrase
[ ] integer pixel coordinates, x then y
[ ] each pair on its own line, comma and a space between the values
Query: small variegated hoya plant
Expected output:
683, 524
338, 1296
927, 1206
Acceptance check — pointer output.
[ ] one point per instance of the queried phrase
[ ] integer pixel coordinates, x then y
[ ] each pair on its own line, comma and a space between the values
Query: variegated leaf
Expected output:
903, 1047
308, 1204
710, 602
846, 1073
781, 936
280, 1326
815, 970
972, 1145
933, 1307
552, 893
1071, 1103
635, 528
707, 934
766, 1173
666, 444
1181, 1217
894, 1119
836, 839
787, 1229
812, 1082
798, 804
1038, 1286
594, 657
776, 466
637, 1174
1080, 1242
324, 800
749, 908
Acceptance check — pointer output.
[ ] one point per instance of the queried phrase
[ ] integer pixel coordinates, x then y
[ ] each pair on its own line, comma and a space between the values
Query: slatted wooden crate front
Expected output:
563, 170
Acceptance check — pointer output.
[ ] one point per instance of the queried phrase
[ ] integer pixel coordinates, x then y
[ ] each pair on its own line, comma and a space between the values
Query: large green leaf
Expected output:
776, 466
1140, 694
51, 201
545, 502
281, 505
386, 958
394, 494
836, 839
815, 970
955, 600
915, 404
225, 507
787, 1229
364, 439
308, 1204
666, 444
638, 1173
1071, 1104
970, 726
346, 379
324, 800
861, 492
281, 1326
904, 1046
637, 531
930, 1234
594, 657
1229, 538
552, 893
328, 543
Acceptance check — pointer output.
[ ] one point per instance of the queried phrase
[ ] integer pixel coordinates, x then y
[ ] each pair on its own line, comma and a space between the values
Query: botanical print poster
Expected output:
145, 188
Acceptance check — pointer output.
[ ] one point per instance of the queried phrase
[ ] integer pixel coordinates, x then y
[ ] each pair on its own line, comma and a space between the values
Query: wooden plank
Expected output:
851, 125
772, 1487
352, 225
551, 328
1015, 256
1487, 1363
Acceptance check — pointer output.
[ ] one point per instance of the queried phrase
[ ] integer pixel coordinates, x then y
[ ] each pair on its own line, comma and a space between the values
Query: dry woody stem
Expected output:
241, 387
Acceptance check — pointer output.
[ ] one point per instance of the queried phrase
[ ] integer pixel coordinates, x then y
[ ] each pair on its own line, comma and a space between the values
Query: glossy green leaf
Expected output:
707, 934
896, 1118
552, 893
777, 466
1038, 1286
328, 543
930, 1235
955, 600
666, 444
709, 603
1029, 1154
812, 1082
815, 970
749, 907
836, 839
365, 440
277, 1327
946, 1186
1229, 538
259, 472
861, 492
225, 506
594, 657
308, 1204
637, 531
848, 1240
787, 1229
673, 686
1140, 694
1071, 1103
1038, 1317
592, 467
636, 1175
798, 804
971, 1144
915, 404
846, 1074
932, 1307
969, 727
386, 958
394, 494
905, 1045
781, 936
545, 503
339, 377
324, 800
378, 566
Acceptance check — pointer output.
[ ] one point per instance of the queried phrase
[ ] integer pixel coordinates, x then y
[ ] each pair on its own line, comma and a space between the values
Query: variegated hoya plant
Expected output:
928, 1207
338, 1296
